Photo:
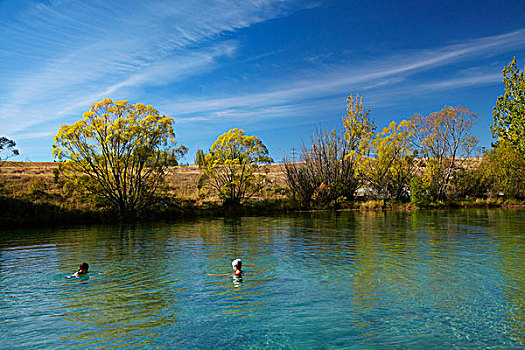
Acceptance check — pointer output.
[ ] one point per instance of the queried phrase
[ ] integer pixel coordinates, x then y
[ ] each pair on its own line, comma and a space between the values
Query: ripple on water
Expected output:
353, 280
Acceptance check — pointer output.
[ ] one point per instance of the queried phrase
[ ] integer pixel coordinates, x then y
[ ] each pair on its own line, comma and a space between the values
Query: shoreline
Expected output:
25, 213
31, 194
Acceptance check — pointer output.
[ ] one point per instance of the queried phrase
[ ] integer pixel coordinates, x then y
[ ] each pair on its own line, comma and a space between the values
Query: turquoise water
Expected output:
352, 280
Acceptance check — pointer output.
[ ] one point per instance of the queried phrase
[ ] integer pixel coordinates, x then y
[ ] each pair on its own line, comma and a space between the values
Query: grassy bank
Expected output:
31, 194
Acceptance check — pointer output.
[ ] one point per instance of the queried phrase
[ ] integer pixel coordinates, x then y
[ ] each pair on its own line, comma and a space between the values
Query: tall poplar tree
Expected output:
509, 112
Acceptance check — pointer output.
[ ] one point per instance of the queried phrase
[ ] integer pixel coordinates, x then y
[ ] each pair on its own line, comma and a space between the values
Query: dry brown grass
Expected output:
182, 181
21, 177
17, 177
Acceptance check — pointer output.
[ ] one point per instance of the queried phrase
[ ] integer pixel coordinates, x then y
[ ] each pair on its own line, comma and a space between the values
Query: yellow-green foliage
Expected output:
119, 151
385, 161
389, 163
359, 128
372, 205
37, 186
504, 166
232, 168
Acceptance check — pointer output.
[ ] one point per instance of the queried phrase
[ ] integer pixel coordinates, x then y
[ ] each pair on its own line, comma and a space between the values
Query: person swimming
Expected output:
237, 266
83, 270
237, 271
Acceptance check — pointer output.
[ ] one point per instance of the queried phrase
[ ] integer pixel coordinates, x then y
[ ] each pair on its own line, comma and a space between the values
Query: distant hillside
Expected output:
21, 177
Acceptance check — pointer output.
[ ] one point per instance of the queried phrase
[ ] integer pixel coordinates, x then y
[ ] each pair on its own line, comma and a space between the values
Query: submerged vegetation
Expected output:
120, 160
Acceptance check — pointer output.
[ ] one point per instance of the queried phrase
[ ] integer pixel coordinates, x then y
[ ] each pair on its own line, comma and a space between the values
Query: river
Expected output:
451, 279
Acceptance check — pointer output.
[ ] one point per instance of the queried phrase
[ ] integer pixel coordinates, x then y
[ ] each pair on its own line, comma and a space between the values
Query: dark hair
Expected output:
84, 266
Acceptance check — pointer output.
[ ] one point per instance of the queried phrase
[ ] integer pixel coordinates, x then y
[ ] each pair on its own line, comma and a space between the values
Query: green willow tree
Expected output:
234, 168
118, 151
509, 112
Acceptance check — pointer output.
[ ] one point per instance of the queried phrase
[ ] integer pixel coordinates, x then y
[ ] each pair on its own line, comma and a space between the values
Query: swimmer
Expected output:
237, 266
83, 270
237, 272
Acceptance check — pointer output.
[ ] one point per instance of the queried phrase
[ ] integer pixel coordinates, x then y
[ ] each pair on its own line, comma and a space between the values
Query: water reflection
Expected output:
129, 300
376, 279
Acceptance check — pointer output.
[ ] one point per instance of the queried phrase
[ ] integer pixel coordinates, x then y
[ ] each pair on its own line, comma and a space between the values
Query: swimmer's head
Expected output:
237, 263
84, 267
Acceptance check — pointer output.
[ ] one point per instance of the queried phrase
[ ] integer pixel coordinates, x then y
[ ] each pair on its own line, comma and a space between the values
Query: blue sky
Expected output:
273, 68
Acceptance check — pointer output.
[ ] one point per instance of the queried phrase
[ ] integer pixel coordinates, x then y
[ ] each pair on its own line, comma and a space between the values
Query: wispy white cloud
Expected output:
35, 135
390, 73
77, 52
291, 104
58, 57
460, 82
54, 100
